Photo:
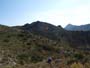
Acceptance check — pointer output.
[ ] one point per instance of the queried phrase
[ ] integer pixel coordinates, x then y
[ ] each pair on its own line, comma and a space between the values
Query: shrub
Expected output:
79, 56
23, 58
36, 58
6, 40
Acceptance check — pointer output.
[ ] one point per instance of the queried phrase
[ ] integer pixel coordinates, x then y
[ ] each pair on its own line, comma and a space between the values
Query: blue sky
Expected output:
57, 12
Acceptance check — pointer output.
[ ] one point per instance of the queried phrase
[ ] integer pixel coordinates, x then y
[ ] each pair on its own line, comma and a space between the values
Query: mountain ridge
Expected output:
71, 27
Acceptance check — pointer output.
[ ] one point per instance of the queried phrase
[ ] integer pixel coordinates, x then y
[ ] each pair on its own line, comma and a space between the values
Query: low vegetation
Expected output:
23, 49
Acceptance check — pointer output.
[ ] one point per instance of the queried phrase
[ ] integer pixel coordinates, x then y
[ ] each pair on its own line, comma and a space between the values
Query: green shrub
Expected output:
6, 40
79, 56
23, 58
36, 58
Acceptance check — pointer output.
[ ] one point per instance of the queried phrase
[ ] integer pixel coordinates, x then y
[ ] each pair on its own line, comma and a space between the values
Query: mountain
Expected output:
58, 33
30, 45
39, 26
44, 29
78, 28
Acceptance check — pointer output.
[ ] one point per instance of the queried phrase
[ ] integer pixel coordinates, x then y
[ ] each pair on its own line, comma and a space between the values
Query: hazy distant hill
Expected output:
78, 28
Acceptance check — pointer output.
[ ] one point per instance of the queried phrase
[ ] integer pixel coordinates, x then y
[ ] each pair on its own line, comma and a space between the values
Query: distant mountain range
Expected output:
78, 28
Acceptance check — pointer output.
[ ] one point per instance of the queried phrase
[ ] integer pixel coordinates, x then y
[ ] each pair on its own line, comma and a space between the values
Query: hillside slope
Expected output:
19, 47
25, 47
